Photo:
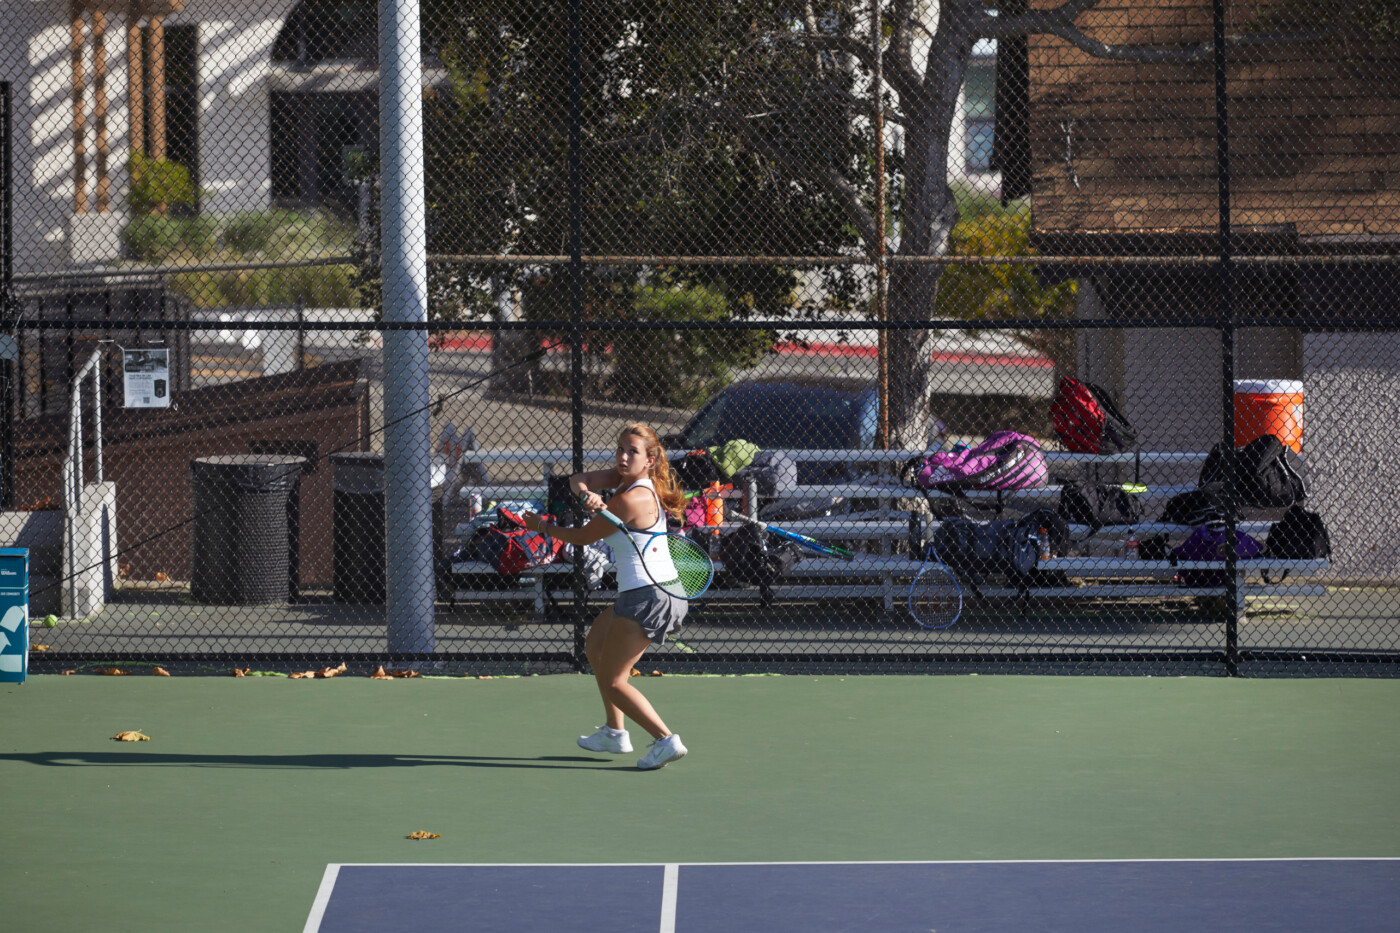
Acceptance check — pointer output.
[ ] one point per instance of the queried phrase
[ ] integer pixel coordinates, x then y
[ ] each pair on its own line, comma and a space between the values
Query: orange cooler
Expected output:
1269, 406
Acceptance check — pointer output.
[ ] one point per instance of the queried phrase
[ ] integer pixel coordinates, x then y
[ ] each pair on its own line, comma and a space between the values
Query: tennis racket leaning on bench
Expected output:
935, 598
812, 544
673, 562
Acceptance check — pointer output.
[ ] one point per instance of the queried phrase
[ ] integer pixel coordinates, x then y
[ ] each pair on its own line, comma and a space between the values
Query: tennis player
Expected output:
642, 614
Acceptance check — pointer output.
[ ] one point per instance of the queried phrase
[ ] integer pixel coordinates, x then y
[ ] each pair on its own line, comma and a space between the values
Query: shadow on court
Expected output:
310, 762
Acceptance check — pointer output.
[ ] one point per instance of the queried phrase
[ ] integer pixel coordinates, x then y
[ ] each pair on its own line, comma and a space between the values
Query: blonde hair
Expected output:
672, 499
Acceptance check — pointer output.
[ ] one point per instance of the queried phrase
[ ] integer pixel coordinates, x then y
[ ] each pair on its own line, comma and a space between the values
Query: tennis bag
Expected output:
754, 556
1210, 542
1196, 507
1268, 474
512, 548
1098, 504
977, 550
1004, 461
1087, 421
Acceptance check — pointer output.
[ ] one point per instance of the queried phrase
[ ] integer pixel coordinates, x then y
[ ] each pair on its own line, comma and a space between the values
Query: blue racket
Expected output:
935, 598
672, 562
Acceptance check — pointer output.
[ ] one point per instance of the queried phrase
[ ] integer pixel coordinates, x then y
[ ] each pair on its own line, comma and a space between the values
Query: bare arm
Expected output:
584, 484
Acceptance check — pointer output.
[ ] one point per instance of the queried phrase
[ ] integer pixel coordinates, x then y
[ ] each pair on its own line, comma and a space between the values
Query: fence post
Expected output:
9, 368
410, 590
576, 293
1234, 600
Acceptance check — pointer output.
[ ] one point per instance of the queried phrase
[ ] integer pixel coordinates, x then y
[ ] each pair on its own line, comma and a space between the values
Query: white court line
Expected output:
323, 898
668, 898
1042, 861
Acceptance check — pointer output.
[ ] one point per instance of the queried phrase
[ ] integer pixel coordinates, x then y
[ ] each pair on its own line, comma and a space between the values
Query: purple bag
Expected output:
1209, 542
1005, 460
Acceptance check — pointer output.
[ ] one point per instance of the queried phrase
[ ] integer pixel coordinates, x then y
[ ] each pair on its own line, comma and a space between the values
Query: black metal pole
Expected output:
1233, 601
8, 307
576, 283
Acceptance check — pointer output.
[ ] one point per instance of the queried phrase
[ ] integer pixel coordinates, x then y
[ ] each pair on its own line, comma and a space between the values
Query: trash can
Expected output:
14, 614
245, 529
1269, 406
357, 525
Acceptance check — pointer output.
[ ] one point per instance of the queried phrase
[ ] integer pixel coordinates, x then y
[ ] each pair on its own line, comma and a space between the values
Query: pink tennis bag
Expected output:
1005, 460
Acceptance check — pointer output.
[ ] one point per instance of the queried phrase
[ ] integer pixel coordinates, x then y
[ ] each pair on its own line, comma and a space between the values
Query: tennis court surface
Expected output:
1251, 895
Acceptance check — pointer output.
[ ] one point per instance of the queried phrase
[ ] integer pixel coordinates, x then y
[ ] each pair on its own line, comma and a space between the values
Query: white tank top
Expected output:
630, 572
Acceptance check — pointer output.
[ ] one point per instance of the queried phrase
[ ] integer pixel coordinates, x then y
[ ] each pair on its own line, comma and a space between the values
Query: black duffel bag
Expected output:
752, 555
977, 550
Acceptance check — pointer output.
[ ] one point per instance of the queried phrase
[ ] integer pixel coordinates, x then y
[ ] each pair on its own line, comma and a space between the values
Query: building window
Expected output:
979, 112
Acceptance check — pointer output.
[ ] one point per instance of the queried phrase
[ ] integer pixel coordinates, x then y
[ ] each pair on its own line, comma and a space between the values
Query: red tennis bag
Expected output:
1087, 421
512, 548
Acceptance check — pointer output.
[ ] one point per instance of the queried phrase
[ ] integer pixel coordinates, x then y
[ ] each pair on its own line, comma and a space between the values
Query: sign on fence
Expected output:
147, 378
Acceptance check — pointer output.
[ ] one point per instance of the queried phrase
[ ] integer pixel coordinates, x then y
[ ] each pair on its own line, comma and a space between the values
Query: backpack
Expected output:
1098, 504
775, 471
1087, 421
1209, 542
1268, 474
694, 470
512, 548
752, 555
1005, 460
1299, 535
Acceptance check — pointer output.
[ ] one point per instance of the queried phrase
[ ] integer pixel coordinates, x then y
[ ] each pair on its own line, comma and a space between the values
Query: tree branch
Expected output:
830, 180
902, 79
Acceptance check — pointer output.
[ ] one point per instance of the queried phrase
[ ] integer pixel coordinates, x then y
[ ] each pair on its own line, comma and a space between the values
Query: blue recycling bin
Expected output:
14, 614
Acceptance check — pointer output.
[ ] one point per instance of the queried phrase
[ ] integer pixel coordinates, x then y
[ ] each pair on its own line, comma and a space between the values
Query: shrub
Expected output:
158, 184
152, 238
680, 368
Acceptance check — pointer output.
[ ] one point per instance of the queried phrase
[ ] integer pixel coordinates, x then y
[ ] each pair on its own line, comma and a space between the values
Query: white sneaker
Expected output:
662, 751
604, 741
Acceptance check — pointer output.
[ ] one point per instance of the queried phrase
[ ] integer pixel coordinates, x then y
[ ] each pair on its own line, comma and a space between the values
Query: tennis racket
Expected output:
830, 550
935, 599
673, 562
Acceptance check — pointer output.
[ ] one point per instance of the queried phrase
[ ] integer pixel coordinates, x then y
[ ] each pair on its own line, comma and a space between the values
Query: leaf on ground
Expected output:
69, 672
241, 673
331, 671
657, 674
131, 735
382, 674
160, 672
38, 647
162, 577
636, 673
301, 675
423, 834
112, 671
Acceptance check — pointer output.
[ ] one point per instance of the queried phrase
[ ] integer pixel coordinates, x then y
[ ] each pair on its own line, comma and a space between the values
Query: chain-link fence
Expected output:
1072, 348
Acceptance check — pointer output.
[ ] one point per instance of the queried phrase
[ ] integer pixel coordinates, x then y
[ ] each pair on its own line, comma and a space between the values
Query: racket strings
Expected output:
693, 567
935, 598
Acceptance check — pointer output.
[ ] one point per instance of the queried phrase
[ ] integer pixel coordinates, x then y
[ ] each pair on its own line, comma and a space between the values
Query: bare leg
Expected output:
614, 647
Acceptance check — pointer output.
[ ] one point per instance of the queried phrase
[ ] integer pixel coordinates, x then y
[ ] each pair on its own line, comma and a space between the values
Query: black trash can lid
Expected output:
253, 471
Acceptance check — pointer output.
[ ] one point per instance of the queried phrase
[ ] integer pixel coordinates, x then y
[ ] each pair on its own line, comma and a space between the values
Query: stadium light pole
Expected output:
409, 584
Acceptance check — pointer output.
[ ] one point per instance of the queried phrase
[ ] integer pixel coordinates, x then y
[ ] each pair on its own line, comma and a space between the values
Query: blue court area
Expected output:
1247, 895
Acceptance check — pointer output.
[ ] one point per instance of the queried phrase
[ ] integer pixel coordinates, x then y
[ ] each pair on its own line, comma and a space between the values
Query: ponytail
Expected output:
667, 490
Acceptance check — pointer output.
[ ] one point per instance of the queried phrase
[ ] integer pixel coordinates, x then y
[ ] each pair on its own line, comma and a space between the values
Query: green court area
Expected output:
228, 817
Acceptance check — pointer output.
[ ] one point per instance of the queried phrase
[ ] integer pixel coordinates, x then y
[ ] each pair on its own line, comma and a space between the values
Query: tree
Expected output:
732, 126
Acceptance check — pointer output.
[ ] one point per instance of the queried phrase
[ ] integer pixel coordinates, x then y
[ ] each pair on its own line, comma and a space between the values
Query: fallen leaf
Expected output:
66, 673
112, 672
380, 675
302, 675
160, 672
242, 673
131, 735
162, 577
331, 671
423, 834
656, 674
124, 571
38, 647
636, 673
